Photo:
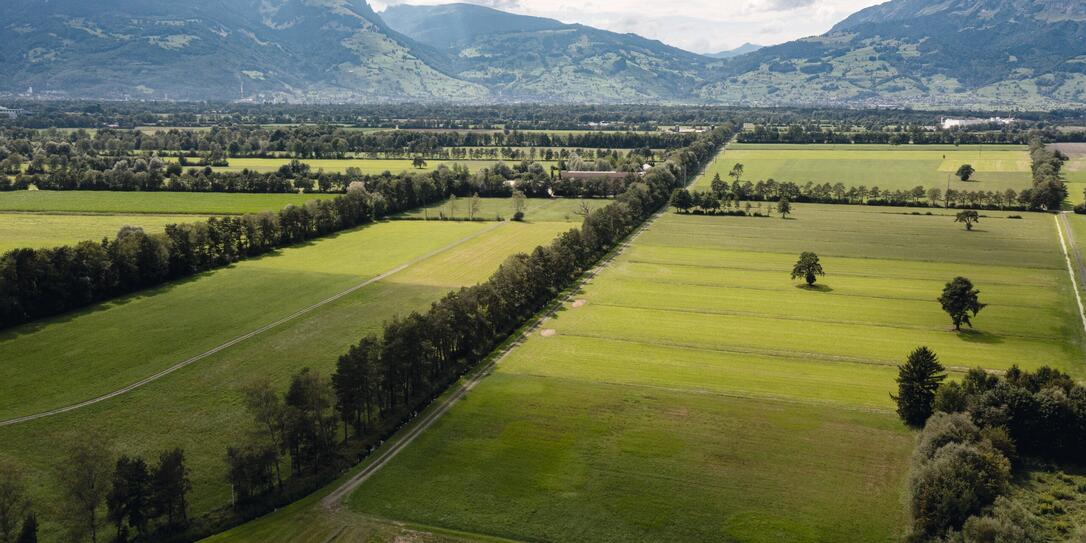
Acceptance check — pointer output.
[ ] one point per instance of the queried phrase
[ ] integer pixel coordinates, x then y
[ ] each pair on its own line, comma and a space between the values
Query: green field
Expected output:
199, 203
85, 354
1075, 174
698, 392
999, 167
37, 230
536, 209
366, 166
695, 393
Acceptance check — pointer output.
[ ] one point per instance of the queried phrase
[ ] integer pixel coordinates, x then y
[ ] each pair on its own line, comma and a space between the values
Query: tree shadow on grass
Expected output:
979, 336
815, 288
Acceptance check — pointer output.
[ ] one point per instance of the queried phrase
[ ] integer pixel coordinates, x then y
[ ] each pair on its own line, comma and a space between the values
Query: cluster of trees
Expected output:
388, 376
153, 174
522, 116
707, 203
18, 522
324, 142
36, 283
906, 135
1048, 191
974, 432
825, 193
144, 502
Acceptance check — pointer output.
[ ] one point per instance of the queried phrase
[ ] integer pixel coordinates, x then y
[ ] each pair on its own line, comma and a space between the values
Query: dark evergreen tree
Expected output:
917, 382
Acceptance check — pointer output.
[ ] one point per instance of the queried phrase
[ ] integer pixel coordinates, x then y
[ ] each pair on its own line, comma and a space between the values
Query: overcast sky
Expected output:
703, 26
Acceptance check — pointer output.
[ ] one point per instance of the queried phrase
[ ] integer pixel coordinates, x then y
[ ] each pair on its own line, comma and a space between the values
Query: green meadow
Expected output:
998, 167
160, 203
535, 209
695, 392
38, 230
82, 355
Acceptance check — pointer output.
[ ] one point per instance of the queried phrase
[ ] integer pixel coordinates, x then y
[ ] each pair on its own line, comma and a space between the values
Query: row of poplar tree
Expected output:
388, 377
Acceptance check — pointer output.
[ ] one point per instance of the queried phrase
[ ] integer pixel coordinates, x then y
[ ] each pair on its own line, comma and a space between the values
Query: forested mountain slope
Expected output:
1002, 54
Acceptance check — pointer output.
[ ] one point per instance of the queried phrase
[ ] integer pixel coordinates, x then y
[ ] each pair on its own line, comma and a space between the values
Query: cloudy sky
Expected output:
703, 26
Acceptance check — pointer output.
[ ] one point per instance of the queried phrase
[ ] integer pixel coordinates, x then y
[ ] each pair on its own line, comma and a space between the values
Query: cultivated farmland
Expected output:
1074, 170
39, 230
695, 391
999, 167
89, 353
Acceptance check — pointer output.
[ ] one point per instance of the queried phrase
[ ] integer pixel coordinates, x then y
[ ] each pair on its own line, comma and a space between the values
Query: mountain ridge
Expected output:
1000, 54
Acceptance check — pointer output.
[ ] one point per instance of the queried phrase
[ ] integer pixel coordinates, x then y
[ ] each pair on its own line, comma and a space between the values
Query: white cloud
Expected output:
703, 26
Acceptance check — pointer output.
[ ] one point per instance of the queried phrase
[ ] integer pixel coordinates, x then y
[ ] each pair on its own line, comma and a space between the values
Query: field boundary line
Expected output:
335, 498
223, 346
1061, 223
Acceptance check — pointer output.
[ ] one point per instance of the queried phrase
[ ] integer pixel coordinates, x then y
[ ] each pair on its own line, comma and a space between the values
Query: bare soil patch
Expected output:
548, 332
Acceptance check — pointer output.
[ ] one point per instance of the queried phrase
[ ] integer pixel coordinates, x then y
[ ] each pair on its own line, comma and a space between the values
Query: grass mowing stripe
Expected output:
241, 338
836, 273
763, 352
706, 312
776, 290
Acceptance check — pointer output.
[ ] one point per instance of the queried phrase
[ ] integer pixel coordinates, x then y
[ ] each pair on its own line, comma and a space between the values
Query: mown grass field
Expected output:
536, 209
82, 355
161, 203
999, 167
37, 230
366, 166
697, 393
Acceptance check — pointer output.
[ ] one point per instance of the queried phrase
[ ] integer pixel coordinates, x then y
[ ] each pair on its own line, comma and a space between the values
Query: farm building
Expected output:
9, 113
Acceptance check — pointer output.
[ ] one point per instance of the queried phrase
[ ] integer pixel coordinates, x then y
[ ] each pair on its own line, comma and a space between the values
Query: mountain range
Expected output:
941, 53
732, 53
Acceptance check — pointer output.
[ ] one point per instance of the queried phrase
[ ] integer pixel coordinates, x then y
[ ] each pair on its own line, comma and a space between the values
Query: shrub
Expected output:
944, 429
1008, 522
957, 483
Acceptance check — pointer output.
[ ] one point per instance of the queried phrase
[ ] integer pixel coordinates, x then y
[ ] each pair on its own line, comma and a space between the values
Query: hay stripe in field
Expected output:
244, 337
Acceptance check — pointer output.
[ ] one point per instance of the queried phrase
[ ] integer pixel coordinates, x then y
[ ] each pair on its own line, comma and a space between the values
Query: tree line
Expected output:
36, 283
150, 174
523, 116
975, 434
730, 200
992, 133
143, 501
154, 175
320, 142
386, 378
